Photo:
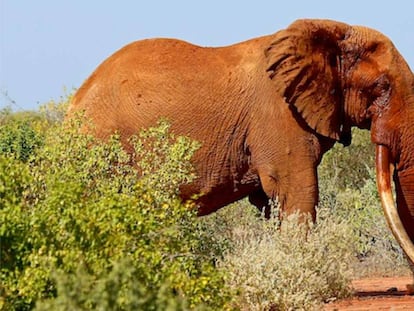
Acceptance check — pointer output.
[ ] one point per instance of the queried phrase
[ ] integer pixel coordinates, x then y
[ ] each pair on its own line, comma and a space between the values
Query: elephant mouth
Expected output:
390, 210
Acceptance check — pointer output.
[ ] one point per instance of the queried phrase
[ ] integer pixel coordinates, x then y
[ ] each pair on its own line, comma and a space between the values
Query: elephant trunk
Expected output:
401, 220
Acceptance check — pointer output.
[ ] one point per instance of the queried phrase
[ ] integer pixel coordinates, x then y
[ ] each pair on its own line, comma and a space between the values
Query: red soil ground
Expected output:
377, 294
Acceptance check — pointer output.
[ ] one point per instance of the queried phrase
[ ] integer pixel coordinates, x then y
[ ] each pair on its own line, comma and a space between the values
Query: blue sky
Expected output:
47, 46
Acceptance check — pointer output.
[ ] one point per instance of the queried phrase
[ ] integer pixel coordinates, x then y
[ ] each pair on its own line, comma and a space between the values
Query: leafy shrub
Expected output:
19, 139
21, 133
348, 188
349, 167
80, 230
7, 115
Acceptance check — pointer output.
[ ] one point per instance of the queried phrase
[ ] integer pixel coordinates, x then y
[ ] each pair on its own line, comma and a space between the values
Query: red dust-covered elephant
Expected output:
266, 110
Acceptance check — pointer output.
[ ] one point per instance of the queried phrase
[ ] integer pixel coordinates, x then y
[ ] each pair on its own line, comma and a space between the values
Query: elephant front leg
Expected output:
295, 191
261, 201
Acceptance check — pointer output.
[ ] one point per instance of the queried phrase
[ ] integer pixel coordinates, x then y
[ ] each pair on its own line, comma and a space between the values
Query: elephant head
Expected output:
336, 76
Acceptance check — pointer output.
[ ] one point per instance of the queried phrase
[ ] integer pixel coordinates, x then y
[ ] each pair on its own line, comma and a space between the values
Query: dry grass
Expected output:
288, 265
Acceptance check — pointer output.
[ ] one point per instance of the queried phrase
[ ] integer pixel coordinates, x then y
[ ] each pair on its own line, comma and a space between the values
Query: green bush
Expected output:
80, 230
21, 133
349, 167
19, 139
348, 188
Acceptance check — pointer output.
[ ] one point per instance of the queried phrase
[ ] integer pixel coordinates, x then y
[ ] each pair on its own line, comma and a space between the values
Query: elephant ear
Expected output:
304, 64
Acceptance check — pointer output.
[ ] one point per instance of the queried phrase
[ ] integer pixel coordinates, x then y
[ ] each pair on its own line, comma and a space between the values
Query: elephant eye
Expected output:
384, 84
380, 87
379, 93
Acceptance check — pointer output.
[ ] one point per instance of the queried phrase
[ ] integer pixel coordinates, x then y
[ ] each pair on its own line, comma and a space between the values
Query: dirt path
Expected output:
377, 294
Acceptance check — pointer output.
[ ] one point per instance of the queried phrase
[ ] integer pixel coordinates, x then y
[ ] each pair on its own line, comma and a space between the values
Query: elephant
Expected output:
266, 110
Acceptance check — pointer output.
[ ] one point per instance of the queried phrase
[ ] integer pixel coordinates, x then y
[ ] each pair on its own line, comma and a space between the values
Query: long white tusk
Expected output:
388, 205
